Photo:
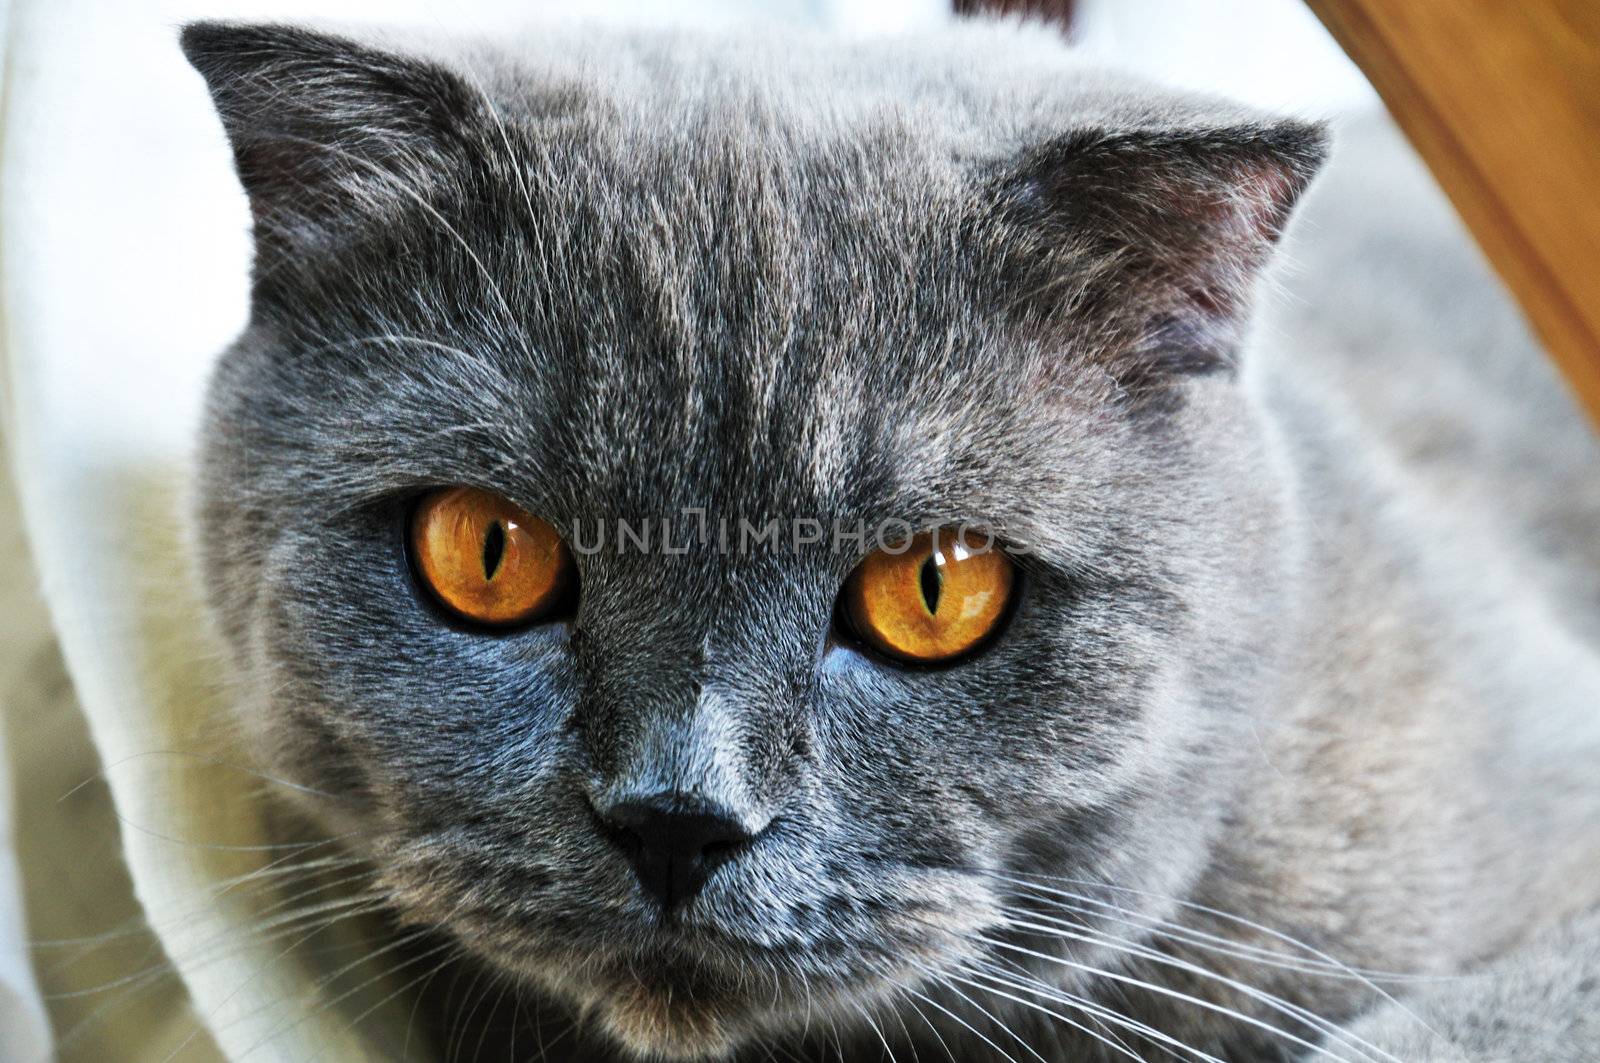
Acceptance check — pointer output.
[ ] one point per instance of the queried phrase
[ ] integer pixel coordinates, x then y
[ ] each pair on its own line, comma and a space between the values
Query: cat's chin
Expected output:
664, 1008
651, 1022
672, 1007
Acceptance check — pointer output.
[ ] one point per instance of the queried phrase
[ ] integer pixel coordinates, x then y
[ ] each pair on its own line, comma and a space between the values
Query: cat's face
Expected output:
731, 324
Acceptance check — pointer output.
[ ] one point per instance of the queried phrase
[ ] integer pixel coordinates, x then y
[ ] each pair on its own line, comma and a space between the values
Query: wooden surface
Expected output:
1502, 97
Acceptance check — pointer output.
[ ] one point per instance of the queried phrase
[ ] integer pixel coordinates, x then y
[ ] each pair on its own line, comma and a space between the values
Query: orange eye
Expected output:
933, 602
487, 560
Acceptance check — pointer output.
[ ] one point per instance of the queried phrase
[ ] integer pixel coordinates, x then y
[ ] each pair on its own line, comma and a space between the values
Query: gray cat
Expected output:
1274, 731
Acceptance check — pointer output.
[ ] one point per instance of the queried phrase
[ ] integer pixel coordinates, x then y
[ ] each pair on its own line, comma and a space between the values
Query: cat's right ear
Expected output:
325, 129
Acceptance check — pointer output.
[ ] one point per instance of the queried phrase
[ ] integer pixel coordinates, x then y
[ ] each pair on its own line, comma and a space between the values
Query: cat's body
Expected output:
1431, 793
1310, 635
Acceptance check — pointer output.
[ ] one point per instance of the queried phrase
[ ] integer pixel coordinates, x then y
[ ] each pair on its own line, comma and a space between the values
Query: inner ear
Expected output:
1154, 239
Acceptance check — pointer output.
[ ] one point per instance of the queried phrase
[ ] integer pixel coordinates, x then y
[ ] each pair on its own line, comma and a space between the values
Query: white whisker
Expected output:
1169, 992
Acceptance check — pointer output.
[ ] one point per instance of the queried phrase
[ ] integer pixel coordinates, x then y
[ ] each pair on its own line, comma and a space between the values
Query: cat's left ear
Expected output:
325, 130
1149, 242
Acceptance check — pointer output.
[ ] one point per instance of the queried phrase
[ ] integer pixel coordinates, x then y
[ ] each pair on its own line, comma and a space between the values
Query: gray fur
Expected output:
1281, 651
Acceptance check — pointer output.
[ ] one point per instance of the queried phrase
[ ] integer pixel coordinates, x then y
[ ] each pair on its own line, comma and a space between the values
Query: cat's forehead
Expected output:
643, 292
794, 321
637, 322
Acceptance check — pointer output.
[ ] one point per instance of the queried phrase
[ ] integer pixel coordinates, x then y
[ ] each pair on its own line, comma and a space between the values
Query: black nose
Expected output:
674, 844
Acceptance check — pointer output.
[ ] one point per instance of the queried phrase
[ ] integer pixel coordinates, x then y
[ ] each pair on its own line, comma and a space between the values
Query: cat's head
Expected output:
787, 303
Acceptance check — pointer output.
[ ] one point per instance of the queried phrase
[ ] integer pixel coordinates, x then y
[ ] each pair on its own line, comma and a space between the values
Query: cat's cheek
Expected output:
843, 660
365, 678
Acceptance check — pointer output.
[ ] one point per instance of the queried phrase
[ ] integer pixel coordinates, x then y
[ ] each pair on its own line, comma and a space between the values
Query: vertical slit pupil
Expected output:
494, 549
932, 581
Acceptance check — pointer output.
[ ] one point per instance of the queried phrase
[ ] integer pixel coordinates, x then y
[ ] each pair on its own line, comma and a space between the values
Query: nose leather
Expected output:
674, 843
